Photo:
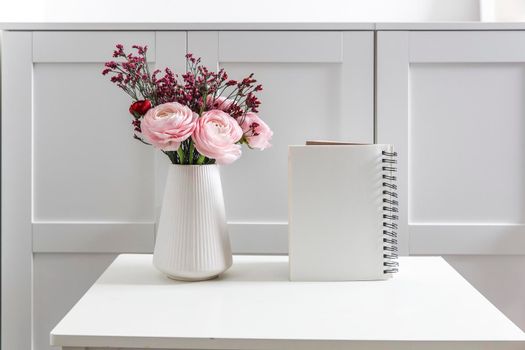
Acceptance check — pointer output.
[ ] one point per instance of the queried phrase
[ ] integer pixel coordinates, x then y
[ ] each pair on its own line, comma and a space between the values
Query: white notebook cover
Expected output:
336, 212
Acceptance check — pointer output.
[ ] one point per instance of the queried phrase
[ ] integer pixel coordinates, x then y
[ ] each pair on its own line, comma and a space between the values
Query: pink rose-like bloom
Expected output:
167, 125
222, 103
256, 132
215, 136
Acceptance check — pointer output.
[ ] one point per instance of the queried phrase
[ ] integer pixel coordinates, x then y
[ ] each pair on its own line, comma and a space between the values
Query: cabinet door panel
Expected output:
255, 185
90, 178
317, 85
467, 135
86, 165
455, 109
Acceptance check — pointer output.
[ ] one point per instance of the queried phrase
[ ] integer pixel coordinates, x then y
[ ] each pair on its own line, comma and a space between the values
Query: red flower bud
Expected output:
139, 108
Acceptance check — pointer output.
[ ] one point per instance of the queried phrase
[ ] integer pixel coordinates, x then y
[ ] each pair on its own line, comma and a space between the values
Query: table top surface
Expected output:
134, 305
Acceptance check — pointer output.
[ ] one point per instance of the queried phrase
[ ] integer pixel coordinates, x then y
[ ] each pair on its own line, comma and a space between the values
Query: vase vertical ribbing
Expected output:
192, 242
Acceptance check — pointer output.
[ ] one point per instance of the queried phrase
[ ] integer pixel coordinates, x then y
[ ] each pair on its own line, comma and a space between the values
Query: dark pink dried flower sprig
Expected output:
132, 73
198, 88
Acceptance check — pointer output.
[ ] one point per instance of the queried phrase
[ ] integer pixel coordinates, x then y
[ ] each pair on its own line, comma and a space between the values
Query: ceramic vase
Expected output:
192, 242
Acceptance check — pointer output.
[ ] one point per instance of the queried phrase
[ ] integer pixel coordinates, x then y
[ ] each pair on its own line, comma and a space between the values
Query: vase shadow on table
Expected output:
145, 274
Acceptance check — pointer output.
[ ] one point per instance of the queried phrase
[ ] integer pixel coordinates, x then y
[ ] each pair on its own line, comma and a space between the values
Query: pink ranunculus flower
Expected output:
168, 124
256, 132
215, 136
220, 102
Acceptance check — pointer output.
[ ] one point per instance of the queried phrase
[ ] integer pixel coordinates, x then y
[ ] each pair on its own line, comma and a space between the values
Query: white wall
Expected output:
266, 11
502, 10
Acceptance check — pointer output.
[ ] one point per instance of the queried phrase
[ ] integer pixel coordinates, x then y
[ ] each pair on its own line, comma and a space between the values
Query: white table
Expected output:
428, 305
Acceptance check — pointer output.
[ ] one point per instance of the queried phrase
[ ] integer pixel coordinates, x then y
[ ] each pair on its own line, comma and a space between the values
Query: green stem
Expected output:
181, 155
200, 161
170, 155
141, 140
192, 151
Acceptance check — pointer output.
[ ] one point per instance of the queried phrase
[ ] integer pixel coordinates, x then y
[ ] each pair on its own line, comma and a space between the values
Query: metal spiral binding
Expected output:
390, 211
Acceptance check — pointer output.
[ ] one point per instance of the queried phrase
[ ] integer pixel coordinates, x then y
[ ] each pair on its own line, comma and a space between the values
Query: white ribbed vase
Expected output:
192, 237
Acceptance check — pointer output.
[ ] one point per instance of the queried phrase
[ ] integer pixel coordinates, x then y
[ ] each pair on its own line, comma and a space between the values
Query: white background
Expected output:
238, 11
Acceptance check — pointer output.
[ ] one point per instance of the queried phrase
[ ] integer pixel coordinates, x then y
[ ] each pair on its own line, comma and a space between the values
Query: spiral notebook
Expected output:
342, 211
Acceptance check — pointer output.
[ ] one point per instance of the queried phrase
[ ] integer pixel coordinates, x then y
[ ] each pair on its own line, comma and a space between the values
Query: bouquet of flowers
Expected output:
199, 117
